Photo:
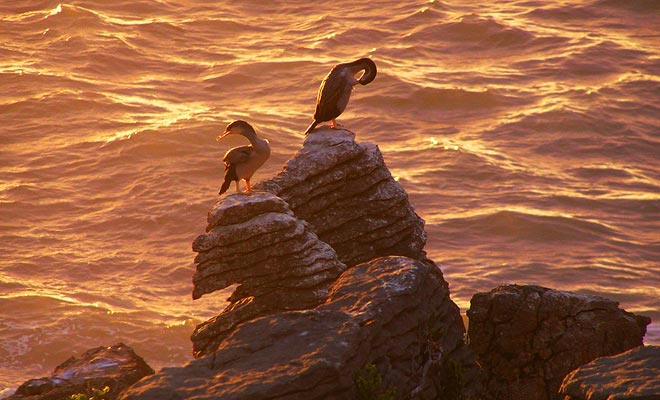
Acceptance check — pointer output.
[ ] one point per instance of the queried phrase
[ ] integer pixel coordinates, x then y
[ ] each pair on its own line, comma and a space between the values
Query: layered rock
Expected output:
346, 192
277, 260
528, 338
393, 313
116, 367
633, 375
334, 204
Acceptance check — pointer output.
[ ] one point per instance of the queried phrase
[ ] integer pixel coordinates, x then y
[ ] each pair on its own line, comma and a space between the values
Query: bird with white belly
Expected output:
243, 161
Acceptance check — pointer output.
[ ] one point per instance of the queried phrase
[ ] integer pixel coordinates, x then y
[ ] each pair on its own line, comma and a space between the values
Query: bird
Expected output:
335, 90
243, 161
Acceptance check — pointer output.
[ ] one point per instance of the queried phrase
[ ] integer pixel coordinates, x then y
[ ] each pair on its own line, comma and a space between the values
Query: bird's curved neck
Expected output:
362, 65
257, 143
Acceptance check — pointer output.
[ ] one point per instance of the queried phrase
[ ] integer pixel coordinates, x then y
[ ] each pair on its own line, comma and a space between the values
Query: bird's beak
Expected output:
225, 133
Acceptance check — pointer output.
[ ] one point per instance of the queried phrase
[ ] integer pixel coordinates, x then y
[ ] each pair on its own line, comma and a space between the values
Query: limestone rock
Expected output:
116, 366
633, 375
528, 338
277, 260
392, 312
346, 192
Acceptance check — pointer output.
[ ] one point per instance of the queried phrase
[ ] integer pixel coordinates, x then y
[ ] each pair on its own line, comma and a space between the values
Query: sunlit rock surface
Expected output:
300, 325
116, 367
392, 312
345, 190
528, 338
633, 375
277, 260
334, 204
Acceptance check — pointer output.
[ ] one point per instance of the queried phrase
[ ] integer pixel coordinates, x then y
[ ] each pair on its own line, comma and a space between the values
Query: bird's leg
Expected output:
247, 183
335, 125
238, 187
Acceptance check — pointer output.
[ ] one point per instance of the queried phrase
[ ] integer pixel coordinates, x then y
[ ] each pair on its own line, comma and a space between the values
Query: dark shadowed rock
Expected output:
633, 375
346, 192
116, 367
277, 260
392, 312
528, 338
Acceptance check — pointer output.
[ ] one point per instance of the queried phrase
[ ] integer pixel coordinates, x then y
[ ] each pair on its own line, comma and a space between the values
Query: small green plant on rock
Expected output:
97, 394
369, 385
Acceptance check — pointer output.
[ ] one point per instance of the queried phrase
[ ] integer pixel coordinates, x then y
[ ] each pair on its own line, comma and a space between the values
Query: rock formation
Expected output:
116, 367
392, 312
633, 375
337, 300
528, 338
346, 192
334, 204
277, 260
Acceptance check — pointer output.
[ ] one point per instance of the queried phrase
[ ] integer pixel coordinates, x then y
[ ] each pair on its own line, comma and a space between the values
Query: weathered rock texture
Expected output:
116, 366
346, 192
634, 374
528, 338
279, 263
392, 312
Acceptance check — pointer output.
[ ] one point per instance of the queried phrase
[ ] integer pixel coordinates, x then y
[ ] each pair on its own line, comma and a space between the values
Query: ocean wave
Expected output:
67, 18
418, 17
66, 110
470, 170
606, 148
439, 99
594, 173
157, 31
521, 226
130, 9
564, 124
259, 77
587, 59
630, 5
565, 12
474, 30
354, 36
219, 26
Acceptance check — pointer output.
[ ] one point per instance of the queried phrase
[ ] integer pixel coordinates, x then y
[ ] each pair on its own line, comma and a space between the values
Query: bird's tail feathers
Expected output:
230, 175
311, 127
225, 186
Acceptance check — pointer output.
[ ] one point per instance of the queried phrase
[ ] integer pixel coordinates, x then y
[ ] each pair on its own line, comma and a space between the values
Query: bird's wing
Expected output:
331, 90
238, 155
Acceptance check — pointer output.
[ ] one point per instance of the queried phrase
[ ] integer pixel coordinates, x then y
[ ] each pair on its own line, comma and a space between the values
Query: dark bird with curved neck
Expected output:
336, 89
243, 161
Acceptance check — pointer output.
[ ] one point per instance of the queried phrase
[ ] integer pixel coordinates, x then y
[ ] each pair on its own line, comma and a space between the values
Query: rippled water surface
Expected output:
526, 133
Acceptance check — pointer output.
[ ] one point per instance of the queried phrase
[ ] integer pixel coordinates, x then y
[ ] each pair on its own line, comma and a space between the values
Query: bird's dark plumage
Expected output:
336, 88
230, 176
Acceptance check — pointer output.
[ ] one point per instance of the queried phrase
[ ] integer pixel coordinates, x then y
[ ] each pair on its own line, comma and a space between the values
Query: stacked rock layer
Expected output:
345, 190
392, 314
277, 260
528, 338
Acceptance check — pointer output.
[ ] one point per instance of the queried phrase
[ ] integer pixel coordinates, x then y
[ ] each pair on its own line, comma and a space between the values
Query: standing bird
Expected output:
243, 161
336, 89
